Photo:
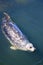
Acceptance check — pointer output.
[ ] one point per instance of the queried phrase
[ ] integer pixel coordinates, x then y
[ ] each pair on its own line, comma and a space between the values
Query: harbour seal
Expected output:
15, 36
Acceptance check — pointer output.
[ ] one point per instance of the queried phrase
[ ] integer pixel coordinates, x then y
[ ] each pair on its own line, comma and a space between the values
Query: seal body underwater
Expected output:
14, 35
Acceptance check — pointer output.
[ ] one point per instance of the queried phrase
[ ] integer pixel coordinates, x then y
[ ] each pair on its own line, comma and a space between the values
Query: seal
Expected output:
17, 39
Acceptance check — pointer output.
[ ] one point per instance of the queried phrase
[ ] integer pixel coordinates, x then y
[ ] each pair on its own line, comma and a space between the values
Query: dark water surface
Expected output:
28, 15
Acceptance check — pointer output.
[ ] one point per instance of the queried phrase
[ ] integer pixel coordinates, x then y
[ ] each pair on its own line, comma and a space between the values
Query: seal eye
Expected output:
30, 47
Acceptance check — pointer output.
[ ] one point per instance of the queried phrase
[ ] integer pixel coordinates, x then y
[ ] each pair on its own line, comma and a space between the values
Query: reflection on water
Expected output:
29, 19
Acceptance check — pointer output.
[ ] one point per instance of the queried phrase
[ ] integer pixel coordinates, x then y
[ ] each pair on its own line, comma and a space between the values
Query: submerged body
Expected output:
15, 36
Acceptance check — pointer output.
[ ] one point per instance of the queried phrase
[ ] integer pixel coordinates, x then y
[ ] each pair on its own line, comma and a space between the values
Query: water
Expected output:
28, 15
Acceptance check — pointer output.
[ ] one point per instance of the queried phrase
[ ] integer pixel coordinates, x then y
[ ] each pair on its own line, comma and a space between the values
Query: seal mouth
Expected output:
33, 49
